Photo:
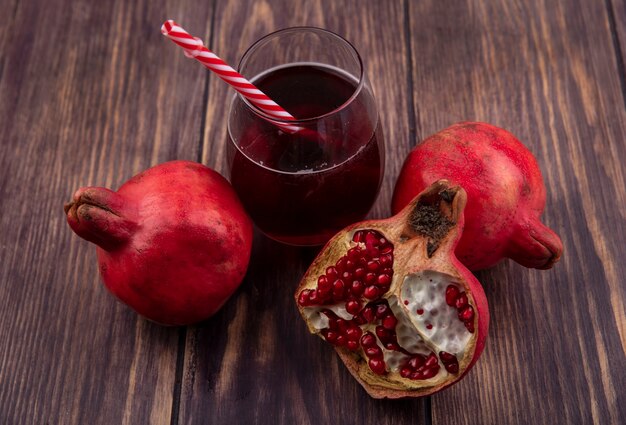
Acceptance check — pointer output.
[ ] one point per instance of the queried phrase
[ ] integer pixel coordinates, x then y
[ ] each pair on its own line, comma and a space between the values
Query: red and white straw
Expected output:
194, 48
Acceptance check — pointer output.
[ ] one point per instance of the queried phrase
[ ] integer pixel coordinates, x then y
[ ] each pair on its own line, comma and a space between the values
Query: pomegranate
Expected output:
505, 190
404, 315
173, 242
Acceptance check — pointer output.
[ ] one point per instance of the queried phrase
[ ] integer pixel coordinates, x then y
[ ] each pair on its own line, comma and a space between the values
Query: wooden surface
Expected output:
91, 94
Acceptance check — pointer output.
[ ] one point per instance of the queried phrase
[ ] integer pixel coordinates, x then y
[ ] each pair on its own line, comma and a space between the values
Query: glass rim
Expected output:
308, 120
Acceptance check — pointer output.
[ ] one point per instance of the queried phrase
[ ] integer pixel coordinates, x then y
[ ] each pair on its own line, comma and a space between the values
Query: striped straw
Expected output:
194, 48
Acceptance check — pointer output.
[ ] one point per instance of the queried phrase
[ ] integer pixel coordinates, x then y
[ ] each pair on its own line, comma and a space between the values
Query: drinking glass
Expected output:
301, 187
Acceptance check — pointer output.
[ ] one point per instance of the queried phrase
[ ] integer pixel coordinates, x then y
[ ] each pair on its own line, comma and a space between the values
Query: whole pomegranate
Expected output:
505, 190
404, 315
173, 242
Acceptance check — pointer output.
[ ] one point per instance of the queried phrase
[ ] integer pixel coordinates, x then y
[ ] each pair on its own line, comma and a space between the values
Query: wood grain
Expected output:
91, 94
255, 362
547, 72
616, 13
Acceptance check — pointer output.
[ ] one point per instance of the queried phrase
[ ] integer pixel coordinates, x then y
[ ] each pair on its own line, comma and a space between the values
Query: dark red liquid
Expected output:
301, 189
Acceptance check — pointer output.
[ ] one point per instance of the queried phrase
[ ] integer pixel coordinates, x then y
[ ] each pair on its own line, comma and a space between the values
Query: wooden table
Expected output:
91, 93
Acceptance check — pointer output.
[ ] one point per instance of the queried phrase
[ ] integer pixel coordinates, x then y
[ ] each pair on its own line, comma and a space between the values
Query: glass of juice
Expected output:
300, 188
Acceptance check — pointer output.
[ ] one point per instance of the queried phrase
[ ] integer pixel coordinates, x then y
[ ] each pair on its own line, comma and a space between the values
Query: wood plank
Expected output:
254, 362
547, 72
91, 94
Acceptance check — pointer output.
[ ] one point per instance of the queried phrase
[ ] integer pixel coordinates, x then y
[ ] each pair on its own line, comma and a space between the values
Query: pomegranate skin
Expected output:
173, 242
506, 194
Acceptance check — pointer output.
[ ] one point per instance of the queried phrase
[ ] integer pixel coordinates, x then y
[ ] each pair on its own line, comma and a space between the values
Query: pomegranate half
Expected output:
173, 242
404, 315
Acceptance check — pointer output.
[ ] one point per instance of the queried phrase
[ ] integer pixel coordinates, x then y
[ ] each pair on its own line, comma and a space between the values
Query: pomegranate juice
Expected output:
302, 188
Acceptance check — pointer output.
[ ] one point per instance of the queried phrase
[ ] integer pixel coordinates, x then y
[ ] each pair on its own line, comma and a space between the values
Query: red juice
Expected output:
301, 189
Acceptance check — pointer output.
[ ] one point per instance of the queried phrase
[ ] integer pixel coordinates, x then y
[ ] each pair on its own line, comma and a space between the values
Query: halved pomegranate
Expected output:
404, 315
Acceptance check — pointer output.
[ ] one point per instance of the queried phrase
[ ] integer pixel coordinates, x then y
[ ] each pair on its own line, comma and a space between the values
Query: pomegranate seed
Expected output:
452, 368
381, 310
371, 239
331, 336
359, 236
373, 252
470, 326
324, 293
451, 293
354, 253
350, 265
368, 314
323, 282
303, 298
373, 352
354, 334
352, 345
377, 366
313, 297
331, 273
370, 278
405, 372
341, 340
362, 261
466, 314
429, 326
346, 276
406, 302
387, 270
341, 264
357, 288
386, 260
382, 333
338, 288
342, 325
446, 357
392, 346
429, 373
431, 361
368, 340
420, 311
416, 362
461, 301
358, 320
418, 374
449, 362
384, 280
371, 292
386, 249
390, 322
353, 307
338, 296
359, 272
339, 285
373, 265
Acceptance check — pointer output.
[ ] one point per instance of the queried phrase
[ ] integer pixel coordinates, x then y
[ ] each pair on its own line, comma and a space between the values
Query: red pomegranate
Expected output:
505, 191
173, 242
404, 315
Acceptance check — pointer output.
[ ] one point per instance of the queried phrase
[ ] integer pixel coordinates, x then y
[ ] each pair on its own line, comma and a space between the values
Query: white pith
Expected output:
320, 321
408, 339
426, 290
